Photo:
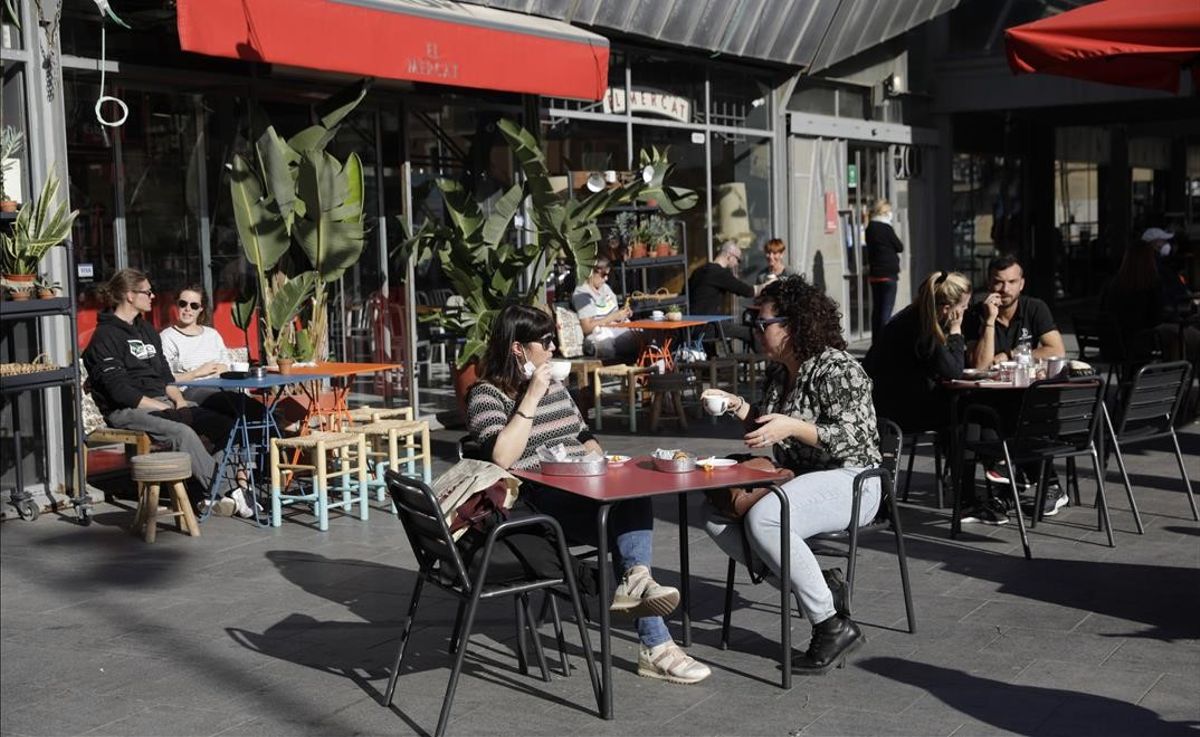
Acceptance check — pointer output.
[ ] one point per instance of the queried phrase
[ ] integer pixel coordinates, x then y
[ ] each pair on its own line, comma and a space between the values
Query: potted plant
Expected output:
490, 267
37, 229
625, 229
660, 235
11, 141
46, 287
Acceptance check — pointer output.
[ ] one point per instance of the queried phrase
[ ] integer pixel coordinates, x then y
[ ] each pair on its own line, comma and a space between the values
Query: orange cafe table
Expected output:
652, 352
331, 412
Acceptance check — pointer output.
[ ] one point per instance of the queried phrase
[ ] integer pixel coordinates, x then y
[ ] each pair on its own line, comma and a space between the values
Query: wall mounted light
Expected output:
893, 85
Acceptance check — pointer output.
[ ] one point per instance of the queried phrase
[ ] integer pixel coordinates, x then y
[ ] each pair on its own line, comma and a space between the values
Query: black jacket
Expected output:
125, 362
708, 286
906, 375
883, 250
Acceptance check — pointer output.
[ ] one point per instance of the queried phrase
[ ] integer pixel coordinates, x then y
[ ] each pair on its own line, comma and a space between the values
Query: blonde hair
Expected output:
880, 207
939, 288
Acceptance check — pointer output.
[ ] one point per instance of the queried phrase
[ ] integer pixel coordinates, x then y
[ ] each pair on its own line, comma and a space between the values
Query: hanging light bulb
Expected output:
595, 181
648, 173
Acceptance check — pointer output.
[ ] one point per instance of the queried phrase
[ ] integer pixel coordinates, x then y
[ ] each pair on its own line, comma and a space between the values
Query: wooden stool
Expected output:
392, 432
151, 470
332, 454
364, 415
629, 375
667, 389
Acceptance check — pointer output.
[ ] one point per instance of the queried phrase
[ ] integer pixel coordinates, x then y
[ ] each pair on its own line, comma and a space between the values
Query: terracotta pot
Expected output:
19, 295
284, 365
662, 250
464, 378
8, 205
639, 250
47, 294
20, 286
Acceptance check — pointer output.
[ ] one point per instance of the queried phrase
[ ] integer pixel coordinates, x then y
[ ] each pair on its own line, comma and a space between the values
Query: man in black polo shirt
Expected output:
710, 283
1002, 321
1007, 318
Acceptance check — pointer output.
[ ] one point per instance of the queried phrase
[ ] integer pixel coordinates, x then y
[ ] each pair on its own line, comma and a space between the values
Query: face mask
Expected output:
527, 368
886, 217
1165, 249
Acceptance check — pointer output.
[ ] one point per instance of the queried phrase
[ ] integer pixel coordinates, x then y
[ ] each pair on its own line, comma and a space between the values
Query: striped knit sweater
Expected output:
557, 420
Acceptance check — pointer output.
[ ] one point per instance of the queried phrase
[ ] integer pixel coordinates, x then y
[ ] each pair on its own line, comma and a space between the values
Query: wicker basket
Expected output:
41, 363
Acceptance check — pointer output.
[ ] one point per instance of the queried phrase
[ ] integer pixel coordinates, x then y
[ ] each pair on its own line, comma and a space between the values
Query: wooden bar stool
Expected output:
667, 389
364, 415
330, 454
384, 439
151, 470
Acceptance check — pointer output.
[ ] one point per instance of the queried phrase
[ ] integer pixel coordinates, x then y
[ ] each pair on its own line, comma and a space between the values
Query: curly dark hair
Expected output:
813, 320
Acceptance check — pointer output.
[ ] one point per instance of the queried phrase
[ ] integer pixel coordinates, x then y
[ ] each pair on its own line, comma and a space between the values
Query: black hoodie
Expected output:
125, 362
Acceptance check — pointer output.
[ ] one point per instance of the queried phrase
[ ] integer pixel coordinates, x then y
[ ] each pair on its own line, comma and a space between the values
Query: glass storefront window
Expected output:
739, 99
690, 167
160, 150
92, 184
741, 176
665, 88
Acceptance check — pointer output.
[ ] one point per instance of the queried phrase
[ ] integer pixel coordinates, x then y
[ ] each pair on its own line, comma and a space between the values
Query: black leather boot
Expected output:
837, 586
832, 640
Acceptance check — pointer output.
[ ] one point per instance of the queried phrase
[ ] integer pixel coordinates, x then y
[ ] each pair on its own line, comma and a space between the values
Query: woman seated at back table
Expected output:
816, 417
514, 409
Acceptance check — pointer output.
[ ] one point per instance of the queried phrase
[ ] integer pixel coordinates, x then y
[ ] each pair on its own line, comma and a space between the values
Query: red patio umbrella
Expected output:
1136, 43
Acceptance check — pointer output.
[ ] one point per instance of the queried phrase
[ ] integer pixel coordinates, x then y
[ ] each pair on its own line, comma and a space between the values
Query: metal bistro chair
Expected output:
931, 438
441, 565
1148, 413
1057, 419
844, 543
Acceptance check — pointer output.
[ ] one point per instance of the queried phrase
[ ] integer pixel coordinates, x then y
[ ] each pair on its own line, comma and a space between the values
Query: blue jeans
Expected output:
630, 530
883, 301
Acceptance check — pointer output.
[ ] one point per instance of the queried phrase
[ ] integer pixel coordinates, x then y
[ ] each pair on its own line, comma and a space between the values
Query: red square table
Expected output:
638, 478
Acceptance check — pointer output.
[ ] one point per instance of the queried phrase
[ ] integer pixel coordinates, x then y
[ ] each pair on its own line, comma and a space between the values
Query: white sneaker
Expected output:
639, 595
238, 496
222, 508
668, 662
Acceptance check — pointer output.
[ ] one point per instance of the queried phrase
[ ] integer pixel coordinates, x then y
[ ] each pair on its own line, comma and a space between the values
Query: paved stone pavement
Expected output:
291, 631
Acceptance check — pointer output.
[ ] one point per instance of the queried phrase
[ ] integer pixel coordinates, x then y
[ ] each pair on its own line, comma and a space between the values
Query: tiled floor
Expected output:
291, 631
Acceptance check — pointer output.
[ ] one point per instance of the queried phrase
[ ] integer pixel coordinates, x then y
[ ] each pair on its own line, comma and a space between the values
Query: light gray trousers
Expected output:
182, 438
818, 502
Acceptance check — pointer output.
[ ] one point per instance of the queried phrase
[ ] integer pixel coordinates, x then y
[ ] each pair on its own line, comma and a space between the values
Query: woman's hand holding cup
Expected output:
717, 402
539, 383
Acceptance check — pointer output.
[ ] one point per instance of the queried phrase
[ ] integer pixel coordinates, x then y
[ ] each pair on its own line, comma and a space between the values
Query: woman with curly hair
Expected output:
817, 418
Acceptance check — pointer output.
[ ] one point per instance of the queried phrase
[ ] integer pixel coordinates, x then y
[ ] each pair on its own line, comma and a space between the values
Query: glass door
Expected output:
866, 181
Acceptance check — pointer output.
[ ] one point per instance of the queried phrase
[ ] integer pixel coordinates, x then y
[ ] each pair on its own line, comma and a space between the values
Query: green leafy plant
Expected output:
625, 227
294, 203
39, 227
480, 253
43, 283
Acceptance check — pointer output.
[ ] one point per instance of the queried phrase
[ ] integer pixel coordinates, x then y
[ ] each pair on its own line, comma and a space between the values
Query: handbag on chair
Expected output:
733, 503
475, 495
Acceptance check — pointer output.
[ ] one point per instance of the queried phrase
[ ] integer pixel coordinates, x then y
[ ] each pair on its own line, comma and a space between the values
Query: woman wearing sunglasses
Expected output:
194, 350
516, 408
817, 419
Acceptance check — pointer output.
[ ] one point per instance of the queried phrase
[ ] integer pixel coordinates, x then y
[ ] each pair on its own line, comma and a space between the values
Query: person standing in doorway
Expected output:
883, 258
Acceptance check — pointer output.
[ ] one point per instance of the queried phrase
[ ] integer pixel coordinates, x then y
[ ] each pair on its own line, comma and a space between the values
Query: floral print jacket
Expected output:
833, 392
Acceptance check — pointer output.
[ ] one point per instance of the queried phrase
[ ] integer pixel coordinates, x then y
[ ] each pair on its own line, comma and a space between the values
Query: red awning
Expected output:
443, 43
1136, 43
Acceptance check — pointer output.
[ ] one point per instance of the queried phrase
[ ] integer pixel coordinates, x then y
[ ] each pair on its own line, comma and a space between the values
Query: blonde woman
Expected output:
918, 348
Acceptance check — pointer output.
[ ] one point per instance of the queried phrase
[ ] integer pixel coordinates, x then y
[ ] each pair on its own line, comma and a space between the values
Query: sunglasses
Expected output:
196, 306
146, 292
760, 323
546, 340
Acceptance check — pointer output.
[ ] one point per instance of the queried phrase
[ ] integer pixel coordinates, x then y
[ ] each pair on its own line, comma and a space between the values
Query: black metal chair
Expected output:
1148, 413
933, 439
844, 543
440, 564
1057, 419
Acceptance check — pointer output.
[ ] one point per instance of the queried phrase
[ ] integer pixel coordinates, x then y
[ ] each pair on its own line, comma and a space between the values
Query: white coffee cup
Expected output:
242, 366
716, 404
657, 315
560, 370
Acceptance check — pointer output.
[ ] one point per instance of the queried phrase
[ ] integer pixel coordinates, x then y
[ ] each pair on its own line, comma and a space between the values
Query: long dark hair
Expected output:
1138, 271
205, 315
514, 324
813, 320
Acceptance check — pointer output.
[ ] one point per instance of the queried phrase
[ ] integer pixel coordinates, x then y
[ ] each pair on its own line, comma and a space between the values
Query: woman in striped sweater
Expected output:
514, 409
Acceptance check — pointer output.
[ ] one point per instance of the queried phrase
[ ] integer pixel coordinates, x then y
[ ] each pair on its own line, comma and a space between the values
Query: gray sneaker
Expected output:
1055, 500
639, 595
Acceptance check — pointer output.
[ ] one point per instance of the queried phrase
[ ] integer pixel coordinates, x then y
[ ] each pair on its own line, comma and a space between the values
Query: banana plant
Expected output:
295, 198
480, 254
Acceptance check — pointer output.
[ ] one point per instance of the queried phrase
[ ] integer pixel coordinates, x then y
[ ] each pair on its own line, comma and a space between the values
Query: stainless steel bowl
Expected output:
257, 372
671, 465
575, 468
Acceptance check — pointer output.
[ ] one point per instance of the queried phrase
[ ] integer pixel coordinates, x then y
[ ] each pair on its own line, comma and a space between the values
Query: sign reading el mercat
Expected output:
646, 100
